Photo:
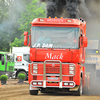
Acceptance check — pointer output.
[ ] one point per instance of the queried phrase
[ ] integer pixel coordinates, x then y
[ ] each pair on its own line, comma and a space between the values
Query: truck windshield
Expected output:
55, 37
26, 57
10, 58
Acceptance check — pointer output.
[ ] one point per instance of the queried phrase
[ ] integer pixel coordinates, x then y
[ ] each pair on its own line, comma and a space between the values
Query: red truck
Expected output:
57, 52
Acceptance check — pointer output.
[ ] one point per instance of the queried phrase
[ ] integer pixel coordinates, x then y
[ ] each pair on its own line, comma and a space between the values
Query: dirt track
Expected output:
20, 91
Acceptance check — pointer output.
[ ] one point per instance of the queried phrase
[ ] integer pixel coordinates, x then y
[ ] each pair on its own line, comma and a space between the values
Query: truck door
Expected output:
26, 59
2, 63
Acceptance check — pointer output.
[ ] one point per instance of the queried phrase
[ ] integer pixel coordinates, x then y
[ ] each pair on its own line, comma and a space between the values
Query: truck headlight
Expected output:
71, 72
39, 83
71, 84
71, 68
35, 71
66, 83
6, 74
34, 83
35, 67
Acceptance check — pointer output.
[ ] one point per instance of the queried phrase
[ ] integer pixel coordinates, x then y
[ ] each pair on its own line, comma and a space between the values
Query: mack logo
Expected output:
51, 56
53, 65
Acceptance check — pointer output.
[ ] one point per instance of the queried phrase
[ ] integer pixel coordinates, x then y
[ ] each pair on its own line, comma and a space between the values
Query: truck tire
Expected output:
79, 92
23, 73
33, 92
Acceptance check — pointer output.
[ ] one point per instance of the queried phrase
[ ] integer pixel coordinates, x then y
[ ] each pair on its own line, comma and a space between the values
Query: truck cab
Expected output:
21, 61
6, 64
57, 50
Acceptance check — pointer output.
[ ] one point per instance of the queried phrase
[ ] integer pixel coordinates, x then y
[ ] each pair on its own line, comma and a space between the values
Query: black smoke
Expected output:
57, 7
87, 9
90, 11
72, 7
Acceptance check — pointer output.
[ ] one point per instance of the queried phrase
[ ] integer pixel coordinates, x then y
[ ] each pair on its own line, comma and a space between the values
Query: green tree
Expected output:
18, 42
32, 11
3, 11
3, 17
10, 12
15, 18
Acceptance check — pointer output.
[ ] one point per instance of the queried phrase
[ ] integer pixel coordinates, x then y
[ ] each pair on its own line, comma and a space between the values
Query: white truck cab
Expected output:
21, 60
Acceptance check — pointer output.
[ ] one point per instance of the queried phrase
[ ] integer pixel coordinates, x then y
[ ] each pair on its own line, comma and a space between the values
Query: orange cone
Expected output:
0, 83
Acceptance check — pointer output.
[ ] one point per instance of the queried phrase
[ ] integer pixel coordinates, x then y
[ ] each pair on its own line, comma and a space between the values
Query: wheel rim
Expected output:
81, 88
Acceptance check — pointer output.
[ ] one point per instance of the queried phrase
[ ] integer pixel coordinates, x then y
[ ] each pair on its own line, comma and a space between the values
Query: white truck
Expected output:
21, 61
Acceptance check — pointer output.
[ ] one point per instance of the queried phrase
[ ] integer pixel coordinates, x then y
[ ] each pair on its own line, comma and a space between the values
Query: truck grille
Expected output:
70, 78
56, 69
50, 69
10, 68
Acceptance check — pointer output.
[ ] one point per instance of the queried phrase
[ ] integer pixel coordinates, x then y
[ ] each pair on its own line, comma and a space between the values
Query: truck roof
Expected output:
58, 21
20, 49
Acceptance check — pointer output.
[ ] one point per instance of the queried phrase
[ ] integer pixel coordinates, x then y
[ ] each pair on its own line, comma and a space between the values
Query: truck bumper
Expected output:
9, 74
54, 84
50, 80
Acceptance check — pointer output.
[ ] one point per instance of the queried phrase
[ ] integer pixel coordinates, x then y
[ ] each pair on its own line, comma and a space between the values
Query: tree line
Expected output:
16, 15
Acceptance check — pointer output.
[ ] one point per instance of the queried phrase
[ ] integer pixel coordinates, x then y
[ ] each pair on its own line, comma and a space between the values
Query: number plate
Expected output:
52, 78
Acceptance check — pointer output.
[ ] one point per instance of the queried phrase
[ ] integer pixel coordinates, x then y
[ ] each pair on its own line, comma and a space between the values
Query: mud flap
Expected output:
74, 89
80, 90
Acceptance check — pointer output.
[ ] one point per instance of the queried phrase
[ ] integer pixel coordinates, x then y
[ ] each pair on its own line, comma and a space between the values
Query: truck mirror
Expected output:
25, 38
2, 60
29, 40
85, 41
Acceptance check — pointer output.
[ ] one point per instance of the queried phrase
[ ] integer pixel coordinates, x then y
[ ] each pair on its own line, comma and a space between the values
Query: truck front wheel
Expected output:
79, 92
33, 92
